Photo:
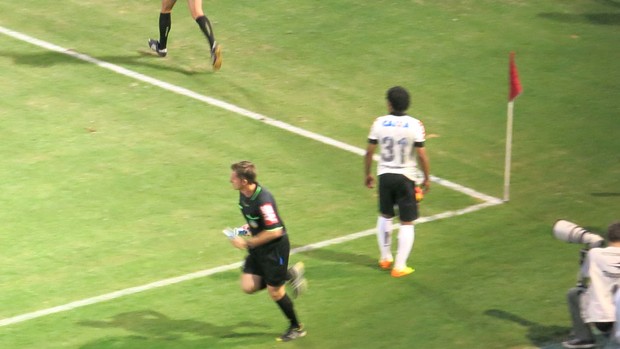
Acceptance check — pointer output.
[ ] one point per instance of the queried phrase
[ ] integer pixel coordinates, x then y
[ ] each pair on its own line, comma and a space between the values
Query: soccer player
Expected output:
401, 139
165, 22
268, 247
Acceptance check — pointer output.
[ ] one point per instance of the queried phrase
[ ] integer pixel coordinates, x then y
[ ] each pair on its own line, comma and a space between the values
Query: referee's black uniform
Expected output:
270, 261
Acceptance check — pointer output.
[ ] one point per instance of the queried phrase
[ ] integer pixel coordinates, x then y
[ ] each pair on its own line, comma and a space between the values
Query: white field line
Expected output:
223, 105
220, 269
488, 200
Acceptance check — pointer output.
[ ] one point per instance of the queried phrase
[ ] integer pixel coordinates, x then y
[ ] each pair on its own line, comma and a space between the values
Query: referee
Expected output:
268, 247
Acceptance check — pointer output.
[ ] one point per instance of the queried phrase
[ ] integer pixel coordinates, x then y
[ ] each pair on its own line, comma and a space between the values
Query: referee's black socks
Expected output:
286, 305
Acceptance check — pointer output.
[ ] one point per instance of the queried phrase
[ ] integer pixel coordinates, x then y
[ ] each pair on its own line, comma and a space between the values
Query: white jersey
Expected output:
602, 266
396, 136
617, 319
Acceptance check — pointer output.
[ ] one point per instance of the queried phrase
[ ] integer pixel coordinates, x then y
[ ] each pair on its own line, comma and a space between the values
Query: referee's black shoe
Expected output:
292, 333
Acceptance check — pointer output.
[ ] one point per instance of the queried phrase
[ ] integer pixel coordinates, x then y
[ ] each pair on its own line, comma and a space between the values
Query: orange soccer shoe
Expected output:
402, 272
385, 264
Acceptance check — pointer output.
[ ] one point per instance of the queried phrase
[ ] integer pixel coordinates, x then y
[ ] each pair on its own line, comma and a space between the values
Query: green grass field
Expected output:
108, 182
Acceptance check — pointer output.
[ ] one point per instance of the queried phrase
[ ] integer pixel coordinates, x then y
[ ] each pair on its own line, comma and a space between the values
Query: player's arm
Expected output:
425, 166
259, 239
370, 151
273, 228
264, 237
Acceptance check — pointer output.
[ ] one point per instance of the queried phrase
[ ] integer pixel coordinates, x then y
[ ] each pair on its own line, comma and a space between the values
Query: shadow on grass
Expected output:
150, 326
594, 18
52, 58
538, 334
343, 257
612, 3
605, 195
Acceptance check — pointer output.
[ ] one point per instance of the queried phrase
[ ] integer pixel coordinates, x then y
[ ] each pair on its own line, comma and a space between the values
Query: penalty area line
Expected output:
220, 269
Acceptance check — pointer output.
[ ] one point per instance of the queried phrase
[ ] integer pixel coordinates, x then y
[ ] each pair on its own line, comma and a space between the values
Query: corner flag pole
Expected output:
515, 90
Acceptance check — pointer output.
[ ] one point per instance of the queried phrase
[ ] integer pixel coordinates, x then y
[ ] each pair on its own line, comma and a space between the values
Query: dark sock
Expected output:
286, 305
205, 26
165, 22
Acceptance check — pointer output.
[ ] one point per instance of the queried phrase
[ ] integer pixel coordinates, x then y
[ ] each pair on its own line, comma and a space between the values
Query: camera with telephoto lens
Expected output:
571, 232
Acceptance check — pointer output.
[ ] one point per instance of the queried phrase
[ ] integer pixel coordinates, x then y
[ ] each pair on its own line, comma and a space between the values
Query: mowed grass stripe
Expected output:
488, 200
224, 105
220, 269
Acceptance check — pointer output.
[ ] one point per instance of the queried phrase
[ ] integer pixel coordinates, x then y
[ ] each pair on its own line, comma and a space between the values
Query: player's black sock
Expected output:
205, 26
286, 305
165, 22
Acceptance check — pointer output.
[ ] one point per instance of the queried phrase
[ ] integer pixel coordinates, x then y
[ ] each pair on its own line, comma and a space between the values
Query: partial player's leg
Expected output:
384, 239
251, 283
384, 222
275, 268
406, 237
408, 212
252, 279
195, 7
295, 330
165, 23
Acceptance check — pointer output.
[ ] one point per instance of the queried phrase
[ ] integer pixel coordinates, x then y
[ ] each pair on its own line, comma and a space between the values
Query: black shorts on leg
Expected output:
270, 262
397, 189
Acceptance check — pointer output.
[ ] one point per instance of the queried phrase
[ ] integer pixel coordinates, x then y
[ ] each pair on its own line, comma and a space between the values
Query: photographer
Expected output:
593, 303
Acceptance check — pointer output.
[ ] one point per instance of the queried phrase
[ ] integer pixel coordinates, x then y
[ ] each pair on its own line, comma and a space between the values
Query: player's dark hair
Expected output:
613, 232
398, 98
245, 170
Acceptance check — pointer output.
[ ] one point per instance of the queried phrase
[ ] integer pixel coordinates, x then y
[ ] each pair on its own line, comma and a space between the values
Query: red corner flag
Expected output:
515, 85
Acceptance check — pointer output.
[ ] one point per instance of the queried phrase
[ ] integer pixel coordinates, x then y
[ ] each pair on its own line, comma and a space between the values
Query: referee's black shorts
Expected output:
397, 189
269, 261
